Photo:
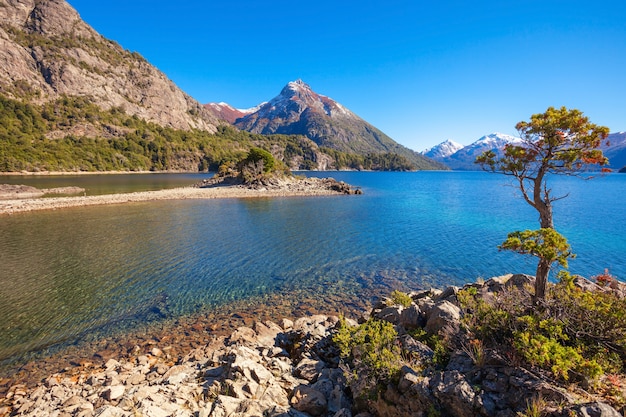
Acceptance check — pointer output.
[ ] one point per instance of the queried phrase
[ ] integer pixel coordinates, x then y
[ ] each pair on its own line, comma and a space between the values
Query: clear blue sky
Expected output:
420, 71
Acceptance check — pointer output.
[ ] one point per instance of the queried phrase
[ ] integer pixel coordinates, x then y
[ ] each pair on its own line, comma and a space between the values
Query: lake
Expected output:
81, 273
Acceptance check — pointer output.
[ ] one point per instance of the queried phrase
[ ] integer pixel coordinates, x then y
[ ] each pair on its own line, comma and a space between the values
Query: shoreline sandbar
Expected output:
288, 187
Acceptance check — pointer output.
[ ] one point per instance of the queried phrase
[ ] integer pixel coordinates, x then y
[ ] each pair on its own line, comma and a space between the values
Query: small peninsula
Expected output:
286, 186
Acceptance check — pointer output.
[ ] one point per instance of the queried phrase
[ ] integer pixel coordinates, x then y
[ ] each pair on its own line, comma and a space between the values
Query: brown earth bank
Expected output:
294, 367
11, 200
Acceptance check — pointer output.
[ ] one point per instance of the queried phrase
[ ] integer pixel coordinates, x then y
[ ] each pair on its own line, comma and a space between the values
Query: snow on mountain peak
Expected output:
496, 139
443, 150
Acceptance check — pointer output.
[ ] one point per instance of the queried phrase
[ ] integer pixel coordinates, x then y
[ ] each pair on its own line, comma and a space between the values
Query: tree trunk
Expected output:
541, 279
545, 215
542, 201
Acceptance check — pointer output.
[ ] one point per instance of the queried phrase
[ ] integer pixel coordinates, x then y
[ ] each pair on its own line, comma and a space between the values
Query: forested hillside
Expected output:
73, 134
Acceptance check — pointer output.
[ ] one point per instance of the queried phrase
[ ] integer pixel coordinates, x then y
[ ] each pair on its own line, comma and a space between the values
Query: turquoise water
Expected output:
77, 273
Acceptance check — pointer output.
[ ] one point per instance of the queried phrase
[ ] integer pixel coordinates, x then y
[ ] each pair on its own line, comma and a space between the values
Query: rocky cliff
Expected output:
47, 51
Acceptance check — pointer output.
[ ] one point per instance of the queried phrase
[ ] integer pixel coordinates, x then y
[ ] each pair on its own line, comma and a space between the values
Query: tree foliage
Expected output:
559, 141
556, 142
546, 244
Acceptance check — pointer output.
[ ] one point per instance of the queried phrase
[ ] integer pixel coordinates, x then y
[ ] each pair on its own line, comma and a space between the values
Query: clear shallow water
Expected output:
95, 184
82, 272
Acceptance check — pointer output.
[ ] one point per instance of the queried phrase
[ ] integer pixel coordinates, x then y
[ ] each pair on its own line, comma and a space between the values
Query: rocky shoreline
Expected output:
294, 368
287, 186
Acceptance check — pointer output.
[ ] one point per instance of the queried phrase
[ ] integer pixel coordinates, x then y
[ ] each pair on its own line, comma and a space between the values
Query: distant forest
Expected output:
73, 134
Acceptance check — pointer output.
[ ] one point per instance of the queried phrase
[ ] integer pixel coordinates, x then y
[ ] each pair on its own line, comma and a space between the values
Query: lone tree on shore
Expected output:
557, 142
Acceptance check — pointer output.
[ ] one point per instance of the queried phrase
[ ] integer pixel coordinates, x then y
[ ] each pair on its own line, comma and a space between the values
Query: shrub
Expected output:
371, 353
257, 155
400, 298
575, 332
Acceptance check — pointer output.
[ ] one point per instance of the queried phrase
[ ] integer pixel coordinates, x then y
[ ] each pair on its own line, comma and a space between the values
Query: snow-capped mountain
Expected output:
463, 159
298, 110
443, 150
225, 111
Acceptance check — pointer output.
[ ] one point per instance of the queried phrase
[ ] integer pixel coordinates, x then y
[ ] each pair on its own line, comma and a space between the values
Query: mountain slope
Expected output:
47, 52
616, 151
225, 111
299, 110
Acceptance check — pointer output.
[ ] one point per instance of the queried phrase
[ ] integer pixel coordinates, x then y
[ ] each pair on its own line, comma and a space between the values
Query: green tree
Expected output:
546, 244
257, 155
557, 142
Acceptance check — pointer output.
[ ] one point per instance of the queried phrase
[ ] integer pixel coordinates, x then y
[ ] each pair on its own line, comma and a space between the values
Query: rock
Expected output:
520, 281
177, 374
286, 324
266, 332
391, 314
412, 318
448, 294
454, 393
443, 316
309, 400
111, 364
309, 369
595, 409
113, 393
416, 349
408, 378
243, 336
109, 411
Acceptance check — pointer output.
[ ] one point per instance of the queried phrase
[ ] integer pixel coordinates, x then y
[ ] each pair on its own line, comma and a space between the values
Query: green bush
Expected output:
400, 298
256, 155
370, 348
576, 332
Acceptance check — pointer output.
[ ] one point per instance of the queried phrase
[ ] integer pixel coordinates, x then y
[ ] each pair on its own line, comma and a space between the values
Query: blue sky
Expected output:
422, 72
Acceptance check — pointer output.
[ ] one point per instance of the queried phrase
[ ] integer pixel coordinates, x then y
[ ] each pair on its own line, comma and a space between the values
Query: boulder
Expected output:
412, 318
454, 393
309, 400
442, 316
113, 393
309, 369
390, 314
595, 409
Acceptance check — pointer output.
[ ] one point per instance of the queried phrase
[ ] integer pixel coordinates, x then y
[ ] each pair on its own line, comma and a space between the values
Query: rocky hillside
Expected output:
71, 100
47, 51
301, 111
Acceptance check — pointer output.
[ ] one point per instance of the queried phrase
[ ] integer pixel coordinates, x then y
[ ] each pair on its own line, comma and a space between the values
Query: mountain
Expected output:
616, 150
463, 159
443, 150
298, 110
72, 100
47, 52
225, 111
